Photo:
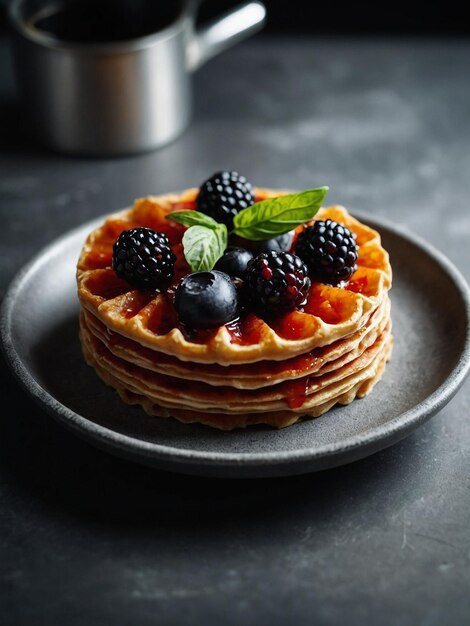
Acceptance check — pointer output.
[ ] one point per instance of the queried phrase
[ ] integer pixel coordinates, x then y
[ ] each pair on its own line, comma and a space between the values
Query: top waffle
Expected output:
330, 314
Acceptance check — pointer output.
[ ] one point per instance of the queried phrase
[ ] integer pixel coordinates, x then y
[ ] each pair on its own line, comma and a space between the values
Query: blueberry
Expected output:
234, 262
206, 300
282, 243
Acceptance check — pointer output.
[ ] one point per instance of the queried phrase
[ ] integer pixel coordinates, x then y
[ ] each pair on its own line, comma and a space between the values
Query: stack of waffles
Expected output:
271, 371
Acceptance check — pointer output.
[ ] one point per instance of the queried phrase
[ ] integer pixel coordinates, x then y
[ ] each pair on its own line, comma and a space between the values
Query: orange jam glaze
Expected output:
297, 392
293, 392
293, 367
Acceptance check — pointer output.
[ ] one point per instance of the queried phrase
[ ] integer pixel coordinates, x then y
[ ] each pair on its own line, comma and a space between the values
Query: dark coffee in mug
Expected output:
102, 21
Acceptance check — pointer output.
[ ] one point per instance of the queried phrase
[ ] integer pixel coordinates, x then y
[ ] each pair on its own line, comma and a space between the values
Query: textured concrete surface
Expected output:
87, 538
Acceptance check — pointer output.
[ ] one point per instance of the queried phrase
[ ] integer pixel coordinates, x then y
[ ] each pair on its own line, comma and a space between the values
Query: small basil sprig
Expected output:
204, 246
205, 240
276, 216
192, 218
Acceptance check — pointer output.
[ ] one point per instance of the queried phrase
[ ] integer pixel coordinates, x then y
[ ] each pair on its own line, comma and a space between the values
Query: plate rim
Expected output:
395, 429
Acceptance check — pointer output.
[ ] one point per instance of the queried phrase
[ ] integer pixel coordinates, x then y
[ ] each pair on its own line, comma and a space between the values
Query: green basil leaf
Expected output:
276, 216
204, 246
222, 235
192, 218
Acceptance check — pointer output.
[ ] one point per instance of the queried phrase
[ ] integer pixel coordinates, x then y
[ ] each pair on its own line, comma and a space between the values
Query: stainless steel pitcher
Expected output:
117, 97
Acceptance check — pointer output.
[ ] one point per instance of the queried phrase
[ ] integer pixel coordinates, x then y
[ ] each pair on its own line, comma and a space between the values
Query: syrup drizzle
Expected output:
297, 392
246, 330
134, 302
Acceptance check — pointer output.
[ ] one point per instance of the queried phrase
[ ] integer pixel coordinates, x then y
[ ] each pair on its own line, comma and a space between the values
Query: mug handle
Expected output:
224, 32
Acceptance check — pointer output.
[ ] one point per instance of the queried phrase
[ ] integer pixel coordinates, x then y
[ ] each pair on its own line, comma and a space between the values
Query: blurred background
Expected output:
367, 17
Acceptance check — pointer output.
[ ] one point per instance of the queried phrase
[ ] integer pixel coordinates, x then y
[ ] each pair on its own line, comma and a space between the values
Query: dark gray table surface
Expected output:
86, 538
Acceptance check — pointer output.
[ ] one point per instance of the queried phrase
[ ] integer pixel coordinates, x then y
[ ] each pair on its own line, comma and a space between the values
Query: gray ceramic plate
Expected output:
430, 311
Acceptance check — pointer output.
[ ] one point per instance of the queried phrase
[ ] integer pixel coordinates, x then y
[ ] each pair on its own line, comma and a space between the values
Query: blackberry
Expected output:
223, 195
330, 251
277, 281
143, 257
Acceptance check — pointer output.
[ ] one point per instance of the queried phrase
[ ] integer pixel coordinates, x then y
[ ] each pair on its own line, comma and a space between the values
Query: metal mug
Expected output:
117, 97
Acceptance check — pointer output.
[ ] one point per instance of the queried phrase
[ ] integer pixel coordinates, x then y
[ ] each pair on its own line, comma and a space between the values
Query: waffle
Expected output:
254, 371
